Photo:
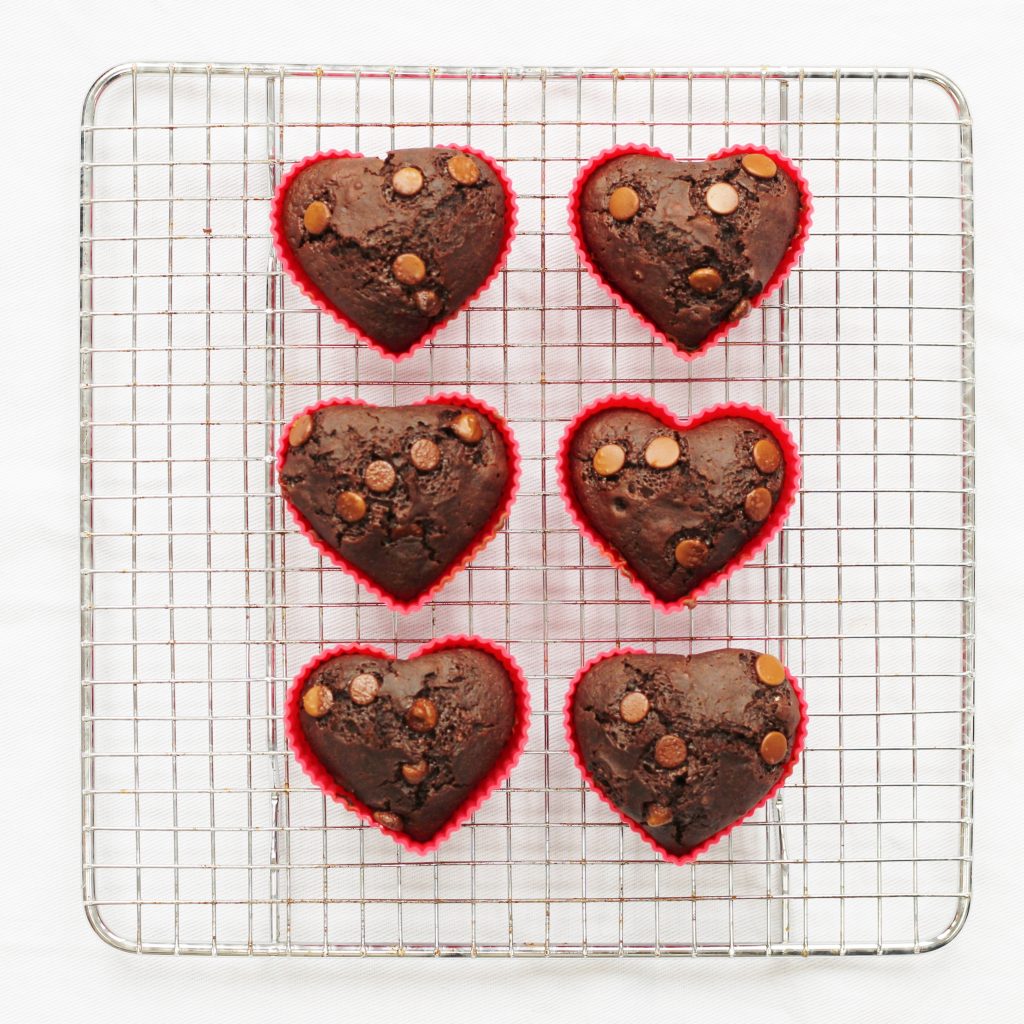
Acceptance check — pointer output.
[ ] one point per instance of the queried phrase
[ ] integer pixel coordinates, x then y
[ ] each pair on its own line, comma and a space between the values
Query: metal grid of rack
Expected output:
200, 602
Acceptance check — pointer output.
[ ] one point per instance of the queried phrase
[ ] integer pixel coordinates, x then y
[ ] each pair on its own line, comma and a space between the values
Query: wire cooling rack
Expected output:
200, 601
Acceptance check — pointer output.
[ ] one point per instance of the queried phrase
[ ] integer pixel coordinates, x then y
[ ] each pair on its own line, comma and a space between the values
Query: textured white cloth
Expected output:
51, 966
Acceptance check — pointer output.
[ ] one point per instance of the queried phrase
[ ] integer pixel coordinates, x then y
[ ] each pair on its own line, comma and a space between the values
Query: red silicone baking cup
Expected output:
786, 264
796, 748
749, 551
316, 295
500, 771
475, 546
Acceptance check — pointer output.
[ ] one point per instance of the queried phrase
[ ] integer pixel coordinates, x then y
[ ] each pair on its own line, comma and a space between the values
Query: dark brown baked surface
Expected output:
455, 228
373, 749
645, 513
410, 533
717, 706
649, 257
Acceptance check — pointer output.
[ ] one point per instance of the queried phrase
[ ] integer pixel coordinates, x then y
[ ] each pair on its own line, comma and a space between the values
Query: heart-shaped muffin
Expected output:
683, 748
401, 498
689, 248
413, 746
677, 505
394, 248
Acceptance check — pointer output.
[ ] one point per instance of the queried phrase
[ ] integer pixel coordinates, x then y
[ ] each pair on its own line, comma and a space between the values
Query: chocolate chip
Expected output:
301, 430
657, 815
757, 504
414, 774
773, 748
759, 165
351, 506
740, 310
464, 169
609, 459
623, 203
380, 476
705, 280
408, 268
767, 456
424, 454
364, 688
466, 427
422, 715
634, 707
691, 553
317, 700
316, 218
770, 670
407, 181
662, 453
388, 820
722, 198
670, 751
428, 302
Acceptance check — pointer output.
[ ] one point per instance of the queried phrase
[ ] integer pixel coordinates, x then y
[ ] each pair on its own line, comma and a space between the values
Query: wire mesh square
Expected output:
200, 602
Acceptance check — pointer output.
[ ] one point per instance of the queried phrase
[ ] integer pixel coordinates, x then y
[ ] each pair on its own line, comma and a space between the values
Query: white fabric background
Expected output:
51, 966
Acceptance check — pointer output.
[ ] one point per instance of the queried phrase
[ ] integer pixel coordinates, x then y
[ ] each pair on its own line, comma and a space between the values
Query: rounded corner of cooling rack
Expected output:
100, 928
102, 82
956, 925
949, 87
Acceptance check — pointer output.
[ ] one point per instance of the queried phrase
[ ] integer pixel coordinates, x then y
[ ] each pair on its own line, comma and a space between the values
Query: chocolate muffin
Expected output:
401, 493
397, 245
688, 244
675, 505
685, 746
409, 739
